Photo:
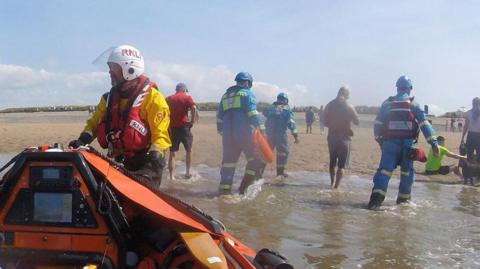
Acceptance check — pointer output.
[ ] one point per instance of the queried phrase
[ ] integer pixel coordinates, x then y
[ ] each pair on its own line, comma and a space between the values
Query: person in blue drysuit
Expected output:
396, 129
237, 118
280, 118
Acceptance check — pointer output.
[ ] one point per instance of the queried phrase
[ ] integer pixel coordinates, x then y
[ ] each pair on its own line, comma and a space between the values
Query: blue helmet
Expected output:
181, 87
244, 76
404, 83
282, 98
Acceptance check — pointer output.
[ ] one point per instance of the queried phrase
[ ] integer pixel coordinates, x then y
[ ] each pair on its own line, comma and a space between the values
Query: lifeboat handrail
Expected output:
13, 160
215, 224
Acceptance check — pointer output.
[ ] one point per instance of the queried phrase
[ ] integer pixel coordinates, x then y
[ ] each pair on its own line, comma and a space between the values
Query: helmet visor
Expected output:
100, 62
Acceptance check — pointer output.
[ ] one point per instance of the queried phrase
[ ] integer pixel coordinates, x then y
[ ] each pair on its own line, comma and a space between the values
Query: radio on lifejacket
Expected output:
113, 137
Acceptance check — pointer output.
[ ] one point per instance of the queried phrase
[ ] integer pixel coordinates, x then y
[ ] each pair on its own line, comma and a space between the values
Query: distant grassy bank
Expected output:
207, 106
45, 109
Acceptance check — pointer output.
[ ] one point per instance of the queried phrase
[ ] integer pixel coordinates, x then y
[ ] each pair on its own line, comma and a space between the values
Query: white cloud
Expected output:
436, 110
205, 83
208, 83
22, 86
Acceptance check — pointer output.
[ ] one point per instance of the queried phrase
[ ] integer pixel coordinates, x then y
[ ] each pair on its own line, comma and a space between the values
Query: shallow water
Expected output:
316, 227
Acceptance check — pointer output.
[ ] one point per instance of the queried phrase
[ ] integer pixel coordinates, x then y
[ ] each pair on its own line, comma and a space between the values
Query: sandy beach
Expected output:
21, 130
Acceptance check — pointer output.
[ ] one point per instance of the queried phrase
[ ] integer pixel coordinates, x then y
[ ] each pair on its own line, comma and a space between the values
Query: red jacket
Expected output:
179, 103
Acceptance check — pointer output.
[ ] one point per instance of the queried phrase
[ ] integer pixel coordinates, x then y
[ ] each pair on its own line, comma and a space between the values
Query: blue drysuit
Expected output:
396, 150
279, 118
237, 117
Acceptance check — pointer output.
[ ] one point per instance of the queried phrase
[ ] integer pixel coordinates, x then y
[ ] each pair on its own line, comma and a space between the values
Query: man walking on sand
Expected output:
180, 105
309, 119
338, 116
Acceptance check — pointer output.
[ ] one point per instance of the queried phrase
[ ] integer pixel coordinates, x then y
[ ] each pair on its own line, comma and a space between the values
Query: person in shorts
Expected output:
339, 114
181, 104
434, 163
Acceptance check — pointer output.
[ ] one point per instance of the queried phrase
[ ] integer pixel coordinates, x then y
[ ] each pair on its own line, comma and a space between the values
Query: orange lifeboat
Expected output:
77, 209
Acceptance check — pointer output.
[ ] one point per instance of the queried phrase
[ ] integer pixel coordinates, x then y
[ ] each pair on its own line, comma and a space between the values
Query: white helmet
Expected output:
130, 59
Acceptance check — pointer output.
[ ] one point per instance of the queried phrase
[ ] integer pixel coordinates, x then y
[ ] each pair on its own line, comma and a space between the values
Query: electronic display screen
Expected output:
51, 173
52, 207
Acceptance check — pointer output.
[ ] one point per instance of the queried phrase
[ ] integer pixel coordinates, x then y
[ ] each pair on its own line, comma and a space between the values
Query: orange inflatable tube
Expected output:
261, 143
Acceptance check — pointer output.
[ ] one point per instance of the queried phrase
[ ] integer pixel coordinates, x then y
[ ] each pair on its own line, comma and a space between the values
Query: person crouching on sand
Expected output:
434, 163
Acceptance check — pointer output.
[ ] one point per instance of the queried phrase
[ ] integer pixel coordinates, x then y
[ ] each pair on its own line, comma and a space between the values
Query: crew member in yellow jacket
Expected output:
132, 119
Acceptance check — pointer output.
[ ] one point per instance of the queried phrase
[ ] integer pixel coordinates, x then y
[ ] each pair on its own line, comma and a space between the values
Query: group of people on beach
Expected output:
138, 125
454, 124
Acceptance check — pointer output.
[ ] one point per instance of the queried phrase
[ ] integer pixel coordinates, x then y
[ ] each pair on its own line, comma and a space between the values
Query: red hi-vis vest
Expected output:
125, 130
400, 122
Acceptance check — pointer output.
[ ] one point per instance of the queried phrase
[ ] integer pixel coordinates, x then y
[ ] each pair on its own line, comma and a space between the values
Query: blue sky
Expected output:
305, 48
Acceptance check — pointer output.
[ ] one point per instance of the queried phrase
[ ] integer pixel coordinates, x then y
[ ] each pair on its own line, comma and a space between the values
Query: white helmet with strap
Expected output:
130, 59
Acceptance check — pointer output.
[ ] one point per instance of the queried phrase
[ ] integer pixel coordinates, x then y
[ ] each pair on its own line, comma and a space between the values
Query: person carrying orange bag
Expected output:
237, 118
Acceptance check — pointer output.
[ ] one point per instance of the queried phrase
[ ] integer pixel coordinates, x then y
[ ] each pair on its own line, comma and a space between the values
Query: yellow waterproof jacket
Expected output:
154, 112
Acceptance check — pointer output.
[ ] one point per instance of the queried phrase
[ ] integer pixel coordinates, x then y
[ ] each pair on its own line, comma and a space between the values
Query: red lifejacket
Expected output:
124, 130
400, 122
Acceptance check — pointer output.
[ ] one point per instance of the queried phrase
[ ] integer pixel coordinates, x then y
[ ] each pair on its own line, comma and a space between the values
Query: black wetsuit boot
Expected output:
260, 171
281, 172
402, 200
246, 181
376, 200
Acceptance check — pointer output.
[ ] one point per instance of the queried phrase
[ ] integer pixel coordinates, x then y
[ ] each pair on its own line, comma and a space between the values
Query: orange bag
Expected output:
262, 145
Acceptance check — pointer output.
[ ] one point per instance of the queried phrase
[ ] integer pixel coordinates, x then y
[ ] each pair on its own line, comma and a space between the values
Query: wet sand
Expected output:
21, 130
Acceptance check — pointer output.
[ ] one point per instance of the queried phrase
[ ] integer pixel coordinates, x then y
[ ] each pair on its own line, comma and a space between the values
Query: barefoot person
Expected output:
180, 105
338, 116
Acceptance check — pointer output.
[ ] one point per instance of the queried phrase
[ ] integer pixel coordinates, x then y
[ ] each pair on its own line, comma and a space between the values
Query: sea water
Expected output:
316, 227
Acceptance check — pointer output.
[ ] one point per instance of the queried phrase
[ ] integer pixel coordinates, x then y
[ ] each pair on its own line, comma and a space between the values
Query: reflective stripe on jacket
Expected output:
279, 119
238, 111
